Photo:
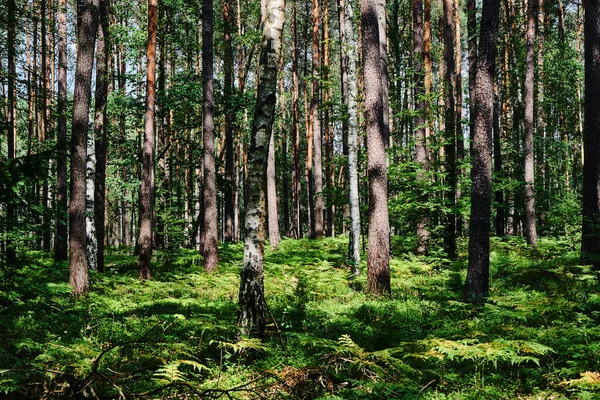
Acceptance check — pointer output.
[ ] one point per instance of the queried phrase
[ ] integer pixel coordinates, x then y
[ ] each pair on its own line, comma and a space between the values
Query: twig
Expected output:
276, 327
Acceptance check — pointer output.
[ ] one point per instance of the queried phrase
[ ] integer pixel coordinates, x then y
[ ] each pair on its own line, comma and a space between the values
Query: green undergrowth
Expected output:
174, 336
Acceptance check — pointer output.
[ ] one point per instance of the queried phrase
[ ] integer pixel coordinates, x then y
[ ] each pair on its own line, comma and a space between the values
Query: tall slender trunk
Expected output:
530, 225
472, 57
460, 141
450, 126
273, 215
351, 104
421, 151
81, 108
427, 79
498, 193
211, 214
296, 181
251, 311
100, 121
328, 132
590, 239
229, 123
11, 134
147, 193
315, 106
60, 239
378, 260
477, 283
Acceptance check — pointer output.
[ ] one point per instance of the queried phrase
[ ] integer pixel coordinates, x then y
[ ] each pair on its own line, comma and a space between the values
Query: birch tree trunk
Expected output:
251, 311
100, 120
296, 172
272, 197
81, 107
352, 84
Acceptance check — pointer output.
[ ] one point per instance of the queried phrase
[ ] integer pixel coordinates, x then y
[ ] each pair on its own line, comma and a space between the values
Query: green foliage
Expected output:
175, 335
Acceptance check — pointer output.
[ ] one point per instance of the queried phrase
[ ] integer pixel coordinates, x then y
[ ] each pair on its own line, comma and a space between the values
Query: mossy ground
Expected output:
174, 336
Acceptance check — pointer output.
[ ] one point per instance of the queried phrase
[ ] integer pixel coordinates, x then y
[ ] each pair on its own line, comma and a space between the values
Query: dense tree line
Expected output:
226, 121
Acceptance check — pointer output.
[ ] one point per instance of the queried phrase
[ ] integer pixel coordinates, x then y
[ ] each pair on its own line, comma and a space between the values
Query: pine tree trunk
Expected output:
251, 311
81, 108
477, 283
60, 239
11, 134
100, 121
147, 193
229, 124
590, 239
378, 262
421, 156
472, 57
211, 214
530, 224
315, 105
296, 173
450, 127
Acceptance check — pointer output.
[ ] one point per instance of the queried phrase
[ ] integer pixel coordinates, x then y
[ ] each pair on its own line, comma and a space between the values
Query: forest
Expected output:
325, 199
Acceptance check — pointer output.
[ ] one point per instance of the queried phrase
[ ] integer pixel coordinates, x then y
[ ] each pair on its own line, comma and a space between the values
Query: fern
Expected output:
170, 372
243, 345
514, 352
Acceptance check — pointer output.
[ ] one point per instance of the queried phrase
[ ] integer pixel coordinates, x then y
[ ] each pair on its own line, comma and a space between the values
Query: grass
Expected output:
174, 336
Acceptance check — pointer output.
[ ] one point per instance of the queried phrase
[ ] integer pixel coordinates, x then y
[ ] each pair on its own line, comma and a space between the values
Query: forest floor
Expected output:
174, 336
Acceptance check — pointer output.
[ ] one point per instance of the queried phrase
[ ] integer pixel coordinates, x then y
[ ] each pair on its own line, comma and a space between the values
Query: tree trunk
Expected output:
229, 123
296, 173
273, 215
450, 127
100, 121
590, 239
11, 134
81, 108
477, 283
421, 156
315, 105
530, 226
60, 239
378, 260
472, 57
147, 193
251, 311
211, 214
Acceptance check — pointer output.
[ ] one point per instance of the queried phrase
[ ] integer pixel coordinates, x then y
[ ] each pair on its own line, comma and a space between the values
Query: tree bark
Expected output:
315, 105
296, 173
590, 238
477, 283
450, 127
60, 239
229, 123
147, 194
421, 151
11, 134
100, 121
251, 311
81, 108
378, 259
273, 215
350, 81
211, 213
530, 225
472, 57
